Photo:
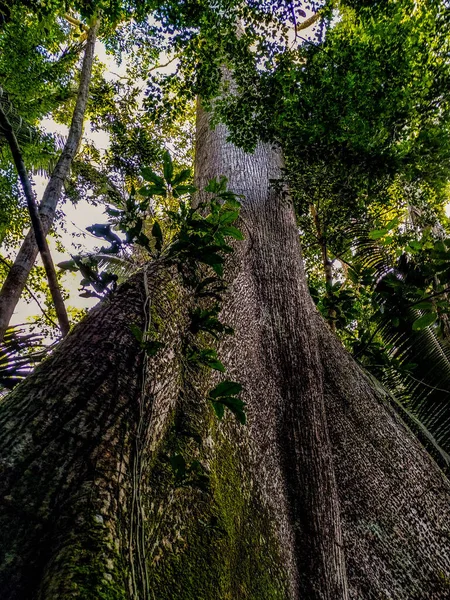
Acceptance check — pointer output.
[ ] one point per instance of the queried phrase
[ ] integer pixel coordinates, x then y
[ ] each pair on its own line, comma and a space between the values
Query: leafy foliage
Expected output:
20, 352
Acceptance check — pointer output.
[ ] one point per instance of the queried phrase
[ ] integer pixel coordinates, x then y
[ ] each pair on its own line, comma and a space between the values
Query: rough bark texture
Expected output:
279, 366
324, 494
18, 274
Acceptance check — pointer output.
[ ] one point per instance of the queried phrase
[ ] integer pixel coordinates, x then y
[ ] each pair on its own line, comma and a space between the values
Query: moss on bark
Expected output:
216, 543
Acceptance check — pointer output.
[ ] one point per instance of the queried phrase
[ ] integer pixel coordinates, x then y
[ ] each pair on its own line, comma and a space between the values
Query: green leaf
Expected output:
226, 388
216, 186
393, 223
231, 231
219, 409
167, 167
415, 245
425, 305
207, 357
215, 364
229, 217
235, 405
68, 265
232, 402
439, 246
212, 259
424, 321
153, 190
376, 234
240, 416
157, 234
217, 268
180, 190
151, 176
181, 176
112, 212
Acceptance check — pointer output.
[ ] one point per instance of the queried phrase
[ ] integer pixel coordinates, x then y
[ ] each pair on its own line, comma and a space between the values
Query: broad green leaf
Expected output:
226, 388
235, 405
393, 223
415, 245
231, 231
151, 176
376, 234
214, 363
424, 321
229, 217
153, 190
181, 177
219, 409
232, 402
168, 167
217, 185
426, 305
180, 190
68, 265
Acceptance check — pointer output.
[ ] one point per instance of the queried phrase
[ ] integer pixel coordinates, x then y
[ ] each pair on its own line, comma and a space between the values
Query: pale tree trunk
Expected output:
323, 494
18, 274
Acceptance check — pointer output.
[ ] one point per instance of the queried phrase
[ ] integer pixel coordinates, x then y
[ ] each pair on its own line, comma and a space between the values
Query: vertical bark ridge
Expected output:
394, 498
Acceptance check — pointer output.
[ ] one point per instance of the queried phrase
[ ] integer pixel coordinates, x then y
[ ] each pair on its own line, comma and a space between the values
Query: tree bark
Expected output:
324, 494
285, 359
18, 274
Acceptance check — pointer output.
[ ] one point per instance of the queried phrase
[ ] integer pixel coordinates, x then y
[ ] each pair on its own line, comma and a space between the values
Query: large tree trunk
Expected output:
324, 494
16, 279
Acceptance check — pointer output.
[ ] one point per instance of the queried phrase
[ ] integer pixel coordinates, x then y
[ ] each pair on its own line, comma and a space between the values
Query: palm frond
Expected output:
415, 424
20, 351
419, 377
122, 266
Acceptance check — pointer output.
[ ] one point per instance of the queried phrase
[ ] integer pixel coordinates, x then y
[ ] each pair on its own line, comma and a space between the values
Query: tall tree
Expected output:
324, 494
120, 481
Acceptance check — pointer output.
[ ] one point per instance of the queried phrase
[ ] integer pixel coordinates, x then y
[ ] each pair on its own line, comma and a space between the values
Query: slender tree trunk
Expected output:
324, 494
25, 259
41, 240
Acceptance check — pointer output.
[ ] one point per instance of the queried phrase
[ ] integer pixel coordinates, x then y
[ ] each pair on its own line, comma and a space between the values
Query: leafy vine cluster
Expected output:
195, 241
